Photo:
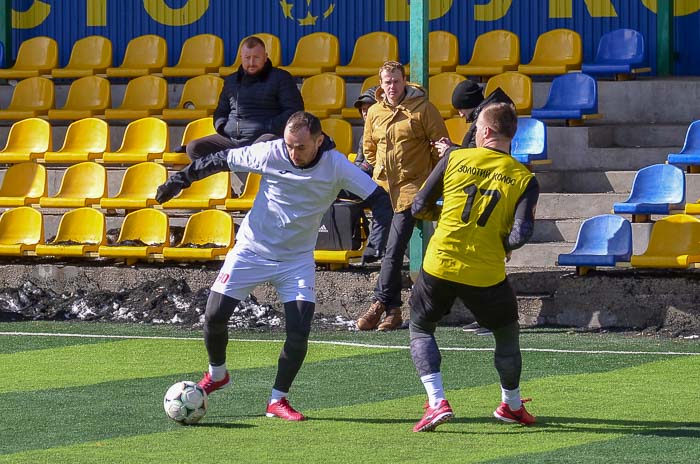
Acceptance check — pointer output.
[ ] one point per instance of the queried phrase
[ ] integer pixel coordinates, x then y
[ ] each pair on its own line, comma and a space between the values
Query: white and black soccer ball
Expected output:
185, 402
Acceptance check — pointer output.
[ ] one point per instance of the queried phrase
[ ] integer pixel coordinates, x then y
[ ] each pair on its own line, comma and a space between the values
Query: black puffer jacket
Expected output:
250, 106
497, 96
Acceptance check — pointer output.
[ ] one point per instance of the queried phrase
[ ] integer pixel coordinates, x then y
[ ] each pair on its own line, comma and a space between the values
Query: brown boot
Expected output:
392, 320
370, 319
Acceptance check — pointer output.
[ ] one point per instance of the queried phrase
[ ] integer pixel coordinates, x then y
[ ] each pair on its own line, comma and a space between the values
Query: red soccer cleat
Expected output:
434, 417
284, 410
209, 385
521, 416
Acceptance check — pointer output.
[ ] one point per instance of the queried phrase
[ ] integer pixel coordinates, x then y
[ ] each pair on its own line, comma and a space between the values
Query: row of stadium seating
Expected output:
620, 52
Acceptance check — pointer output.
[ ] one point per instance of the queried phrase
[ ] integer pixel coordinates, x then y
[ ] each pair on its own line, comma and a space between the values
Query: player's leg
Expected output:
219, 310
204, 146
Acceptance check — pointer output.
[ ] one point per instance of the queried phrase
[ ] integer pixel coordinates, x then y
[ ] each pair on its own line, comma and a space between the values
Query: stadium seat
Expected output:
23, 184
211, 228
690, 153
80, 233
194, 130
36, 57
674, 243
341, 133
530, 142
143, 234
86, 140
199, 98
21, 230
27, 140
494, 52
443, 53
144, 55
556, 52
370, 52
656, 189
90, 55
87, 97
200, 54
245, 201
323, 94
572, 97
604, 240
145, 139
315, 53
352, 112
144, 96
202, 194
517, 86
457, 128
32, 97
621, 53
440, 90
138, 187
272, 47
83, 184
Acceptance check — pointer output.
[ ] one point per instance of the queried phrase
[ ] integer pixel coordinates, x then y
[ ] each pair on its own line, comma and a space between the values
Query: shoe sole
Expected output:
270, 414
509, 420
441, 419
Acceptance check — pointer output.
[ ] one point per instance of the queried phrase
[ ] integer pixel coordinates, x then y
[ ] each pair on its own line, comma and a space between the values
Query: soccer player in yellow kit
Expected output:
488, 210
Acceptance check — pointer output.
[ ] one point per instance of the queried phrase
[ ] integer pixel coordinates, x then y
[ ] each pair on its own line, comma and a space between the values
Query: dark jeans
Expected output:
388, 289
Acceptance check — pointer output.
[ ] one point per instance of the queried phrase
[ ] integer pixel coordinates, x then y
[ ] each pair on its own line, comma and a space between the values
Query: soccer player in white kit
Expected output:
301, 177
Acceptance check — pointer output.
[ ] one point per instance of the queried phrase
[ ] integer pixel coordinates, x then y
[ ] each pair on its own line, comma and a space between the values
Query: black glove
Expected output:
168, 191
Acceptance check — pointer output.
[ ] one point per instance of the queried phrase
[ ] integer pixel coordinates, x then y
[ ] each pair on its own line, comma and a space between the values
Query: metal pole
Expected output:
6, 32
664, 38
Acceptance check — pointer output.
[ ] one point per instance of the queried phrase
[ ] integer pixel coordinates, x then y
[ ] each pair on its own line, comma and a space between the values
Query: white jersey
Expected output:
286, 214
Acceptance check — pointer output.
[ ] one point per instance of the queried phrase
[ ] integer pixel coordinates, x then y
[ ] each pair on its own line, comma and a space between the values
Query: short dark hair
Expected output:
501, 118
253, 41
302, 119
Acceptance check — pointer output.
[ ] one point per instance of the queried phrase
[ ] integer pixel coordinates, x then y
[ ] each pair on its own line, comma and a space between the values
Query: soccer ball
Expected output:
185, 402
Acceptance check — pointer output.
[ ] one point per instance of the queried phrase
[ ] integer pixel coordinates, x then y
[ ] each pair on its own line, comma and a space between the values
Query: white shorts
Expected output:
244, 270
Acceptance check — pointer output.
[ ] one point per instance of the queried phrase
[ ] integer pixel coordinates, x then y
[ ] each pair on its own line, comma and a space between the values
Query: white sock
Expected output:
217, 372
433, 387
276, 395
512, 398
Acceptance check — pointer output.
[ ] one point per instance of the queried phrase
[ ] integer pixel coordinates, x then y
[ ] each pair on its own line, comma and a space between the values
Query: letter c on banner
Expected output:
32, 17
162, 13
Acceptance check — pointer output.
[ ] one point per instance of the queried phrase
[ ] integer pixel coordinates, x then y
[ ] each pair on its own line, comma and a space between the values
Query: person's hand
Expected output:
167, 191
509, 254
442, 145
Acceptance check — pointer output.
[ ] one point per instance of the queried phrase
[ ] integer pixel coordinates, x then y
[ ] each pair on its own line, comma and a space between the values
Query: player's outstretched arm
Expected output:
425, 203
524, 221
199, 169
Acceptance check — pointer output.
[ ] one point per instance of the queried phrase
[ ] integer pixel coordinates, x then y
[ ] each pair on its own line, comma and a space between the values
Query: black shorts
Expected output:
432, 299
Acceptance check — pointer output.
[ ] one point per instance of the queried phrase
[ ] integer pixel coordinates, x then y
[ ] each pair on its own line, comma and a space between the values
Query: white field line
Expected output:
354, 344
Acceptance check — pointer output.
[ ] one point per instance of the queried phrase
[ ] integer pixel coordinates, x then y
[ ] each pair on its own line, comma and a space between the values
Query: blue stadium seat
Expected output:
690, 153
656, 189
620, 52
573, 97
530, 141
603, 240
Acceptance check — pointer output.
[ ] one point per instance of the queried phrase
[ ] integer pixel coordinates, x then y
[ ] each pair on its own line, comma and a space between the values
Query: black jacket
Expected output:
497, 96
250, 106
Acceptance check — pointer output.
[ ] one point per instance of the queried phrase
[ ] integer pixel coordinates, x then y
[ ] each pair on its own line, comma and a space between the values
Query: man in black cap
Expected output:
363, 102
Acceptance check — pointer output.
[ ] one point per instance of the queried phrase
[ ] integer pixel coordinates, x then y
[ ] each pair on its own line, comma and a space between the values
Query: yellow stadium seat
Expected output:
341, 133
200, 54
194, 130
144, 140
35, 57
32, 97
199, 98
90, 55
352, 112
517, 86
28, 140
337, 258
674, 243
144, 96
457, 128
272, 47
556, 52
144, 55
88, 96
138, 187
316, 53
494, 52
83, 184
81, 232
245, 201
440, 89
204, 228
23, 184
147, 227
21, 230
370, 52
323, 94
85, 140
443, 53
205, 193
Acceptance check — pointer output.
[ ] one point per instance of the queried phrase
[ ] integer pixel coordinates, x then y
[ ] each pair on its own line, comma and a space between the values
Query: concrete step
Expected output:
636, 135
576, 205
539, 255
566, 230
